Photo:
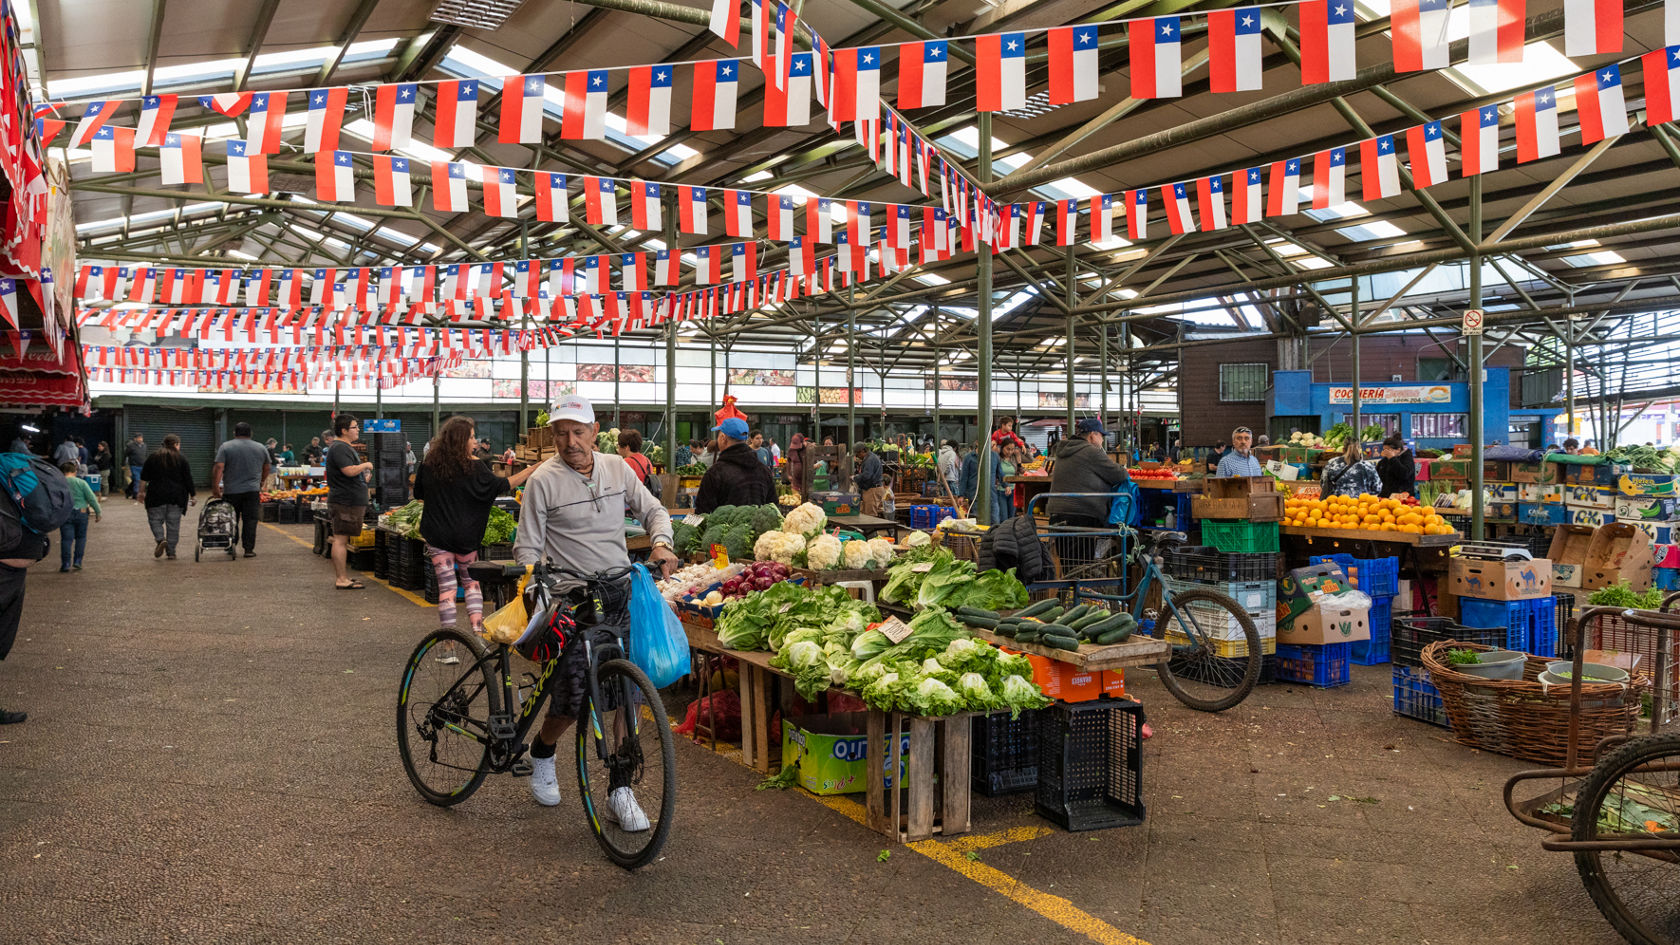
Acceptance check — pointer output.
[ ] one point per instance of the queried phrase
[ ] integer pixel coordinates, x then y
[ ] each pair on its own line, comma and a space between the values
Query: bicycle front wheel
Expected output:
443, 717
1633, 793
1216, 654
627, 765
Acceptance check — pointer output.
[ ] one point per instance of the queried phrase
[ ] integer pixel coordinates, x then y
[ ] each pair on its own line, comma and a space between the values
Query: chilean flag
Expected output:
1286, 188
706, 264
156, 112
691, 210
1210, 200
600, 201
288, 288
1067, 222
393, 115
247, 172
781, 218
1537, 124
522, 109
715, 87
180, 159
1073, 64
391, 184
819, 219
1600, 105
632, 272
144, 287
585, 115
857, 84
1329, 178
1427, 151
1327, 41
1102, 217
858, 224
449, 187
743, 262
1592, 27
802, 256
921, 74
1420, 34
1662, 83
527, 279
1247, 204
113, 150
899, 233
791, 106
1478, 136
1233, 49
1008, 226
94, 117
785, 21
649, 112
231, 104
326, 117
644, 205
738, 220
1179, 219
664, 269
725, 21
1157, 62
1000, 72
335, 178
1379, 168
552, 206
456, 123
1496, 31
1034, 224
268, 114
256, 286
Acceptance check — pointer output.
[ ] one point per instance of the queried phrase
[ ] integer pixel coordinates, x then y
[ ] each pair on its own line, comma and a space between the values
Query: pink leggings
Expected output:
445, 565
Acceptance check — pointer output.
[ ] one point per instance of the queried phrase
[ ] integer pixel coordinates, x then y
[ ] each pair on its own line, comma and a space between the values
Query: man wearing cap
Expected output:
573, 514
1240, 461
736, 477
1082, 466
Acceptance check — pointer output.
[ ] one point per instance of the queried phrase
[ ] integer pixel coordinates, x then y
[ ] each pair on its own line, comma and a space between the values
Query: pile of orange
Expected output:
1367, 513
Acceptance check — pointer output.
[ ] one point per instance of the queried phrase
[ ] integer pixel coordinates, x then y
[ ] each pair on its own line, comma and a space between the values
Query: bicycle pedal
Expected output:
521, 768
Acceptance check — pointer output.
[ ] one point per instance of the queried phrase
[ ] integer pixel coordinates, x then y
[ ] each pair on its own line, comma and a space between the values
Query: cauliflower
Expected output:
823, 552
856, 555
805, 520
917, 539
880, 552
778, 546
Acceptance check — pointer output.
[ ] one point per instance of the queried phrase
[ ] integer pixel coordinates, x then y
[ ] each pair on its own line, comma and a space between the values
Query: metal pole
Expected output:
937, 439
436, 376
1353, 316
851, 374
617, 414
524, 352
715, 403
816, 376
1072, 300
671, 241
1102, 396
1569, 386
1476, 433
982, 509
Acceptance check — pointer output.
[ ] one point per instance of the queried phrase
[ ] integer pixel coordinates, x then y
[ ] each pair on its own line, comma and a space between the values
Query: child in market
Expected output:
72, 535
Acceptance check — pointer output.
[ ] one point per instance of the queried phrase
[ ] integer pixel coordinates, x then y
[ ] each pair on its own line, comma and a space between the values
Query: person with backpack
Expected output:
166, 490
73, 533
35, 500
134, 456
630, 447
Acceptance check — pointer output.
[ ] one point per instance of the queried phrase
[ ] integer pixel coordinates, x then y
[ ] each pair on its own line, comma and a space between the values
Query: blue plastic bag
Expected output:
657, 642
1124, 509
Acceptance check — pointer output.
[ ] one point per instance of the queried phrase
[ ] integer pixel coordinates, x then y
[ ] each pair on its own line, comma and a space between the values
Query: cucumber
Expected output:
976, 612
1116, 622
1089, 620
1027, 635
1115, 636
1005, 630
1056, 641
988, 623
1036, 609
1074, 613
1059, 629
1051, 615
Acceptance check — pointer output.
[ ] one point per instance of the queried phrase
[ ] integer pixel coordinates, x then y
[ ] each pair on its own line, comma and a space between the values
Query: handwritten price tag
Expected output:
922, 568
894, 629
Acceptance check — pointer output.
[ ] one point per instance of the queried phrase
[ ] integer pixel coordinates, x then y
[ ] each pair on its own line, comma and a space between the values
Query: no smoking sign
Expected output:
1473, 319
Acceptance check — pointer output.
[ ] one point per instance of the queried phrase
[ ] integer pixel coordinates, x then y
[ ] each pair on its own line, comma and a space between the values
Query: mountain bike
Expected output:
461, 715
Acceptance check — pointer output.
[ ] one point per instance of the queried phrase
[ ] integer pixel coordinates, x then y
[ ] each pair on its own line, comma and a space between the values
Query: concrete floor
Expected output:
210, 758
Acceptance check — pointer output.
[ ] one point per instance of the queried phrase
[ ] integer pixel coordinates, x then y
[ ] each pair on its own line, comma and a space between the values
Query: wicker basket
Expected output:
963, 545
1522, 718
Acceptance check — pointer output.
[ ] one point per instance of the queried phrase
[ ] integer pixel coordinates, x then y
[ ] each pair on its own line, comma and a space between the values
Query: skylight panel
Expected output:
1374, 230
931, 278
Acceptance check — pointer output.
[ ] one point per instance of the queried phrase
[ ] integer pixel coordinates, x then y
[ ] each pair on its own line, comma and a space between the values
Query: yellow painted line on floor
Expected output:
412, 597
985, 841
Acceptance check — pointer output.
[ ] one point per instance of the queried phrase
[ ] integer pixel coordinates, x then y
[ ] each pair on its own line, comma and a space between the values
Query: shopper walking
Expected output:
165, 487
242, 467
347, 496
20, 548
756, 441
72, 535
458, 491
1239, 461
968, 476
948, 465
66, 452
796, 462
105, 463
868, 480
134, 457
1007, 463
630, 450
736, 477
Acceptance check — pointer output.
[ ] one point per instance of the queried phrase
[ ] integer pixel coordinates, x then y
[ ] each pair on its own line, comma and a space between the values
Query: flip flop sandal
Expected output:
352, 586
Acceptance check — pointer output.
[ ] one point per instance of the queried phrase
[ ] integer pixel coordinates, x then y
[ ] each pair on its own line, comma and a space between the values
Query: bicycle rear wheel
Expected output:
631, 749
1633, 793
1216, 655
443, 717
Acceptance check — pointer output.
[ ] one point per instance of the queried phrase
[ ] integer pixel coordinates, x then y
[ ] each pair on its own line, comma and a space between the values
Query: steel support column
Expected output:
1353, 316
982, 510
1072, 300
1477, 434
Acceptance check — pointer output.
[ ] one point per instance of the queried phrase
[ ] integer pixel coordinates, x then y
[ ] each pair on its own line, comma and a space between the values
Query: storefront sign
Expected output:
1435, 394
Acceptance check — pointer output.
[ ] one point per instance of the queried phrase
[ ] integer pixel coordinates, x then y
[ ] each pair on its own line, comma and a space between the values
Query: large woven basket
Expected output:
1524, 719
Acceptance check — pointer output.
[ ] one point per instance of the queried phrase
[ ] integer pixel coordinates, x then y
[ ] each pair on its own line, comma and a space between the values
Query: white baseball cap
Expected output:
572, 408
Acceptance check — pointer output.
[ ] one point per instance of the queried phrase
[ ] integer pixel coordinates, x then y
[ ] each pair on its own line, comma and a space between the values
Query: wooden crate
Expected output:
934, 798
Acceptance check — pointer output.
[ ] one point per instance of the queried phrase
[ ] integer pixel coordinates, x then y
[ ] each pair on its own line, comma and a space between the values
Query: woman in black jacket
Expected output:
166, 489
1397, 468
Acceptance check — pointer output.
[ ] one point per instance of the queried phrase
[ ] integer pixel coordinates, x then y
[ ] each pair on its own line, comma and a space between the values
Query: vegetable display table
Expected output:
867, 525
1373, 537
1137, 650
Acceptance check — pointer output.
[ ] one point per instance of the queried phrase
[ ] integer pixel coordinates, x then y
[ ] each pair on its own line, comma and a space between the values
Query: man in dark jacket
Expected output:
1397, 468
1082, 466
736, 477
868, 480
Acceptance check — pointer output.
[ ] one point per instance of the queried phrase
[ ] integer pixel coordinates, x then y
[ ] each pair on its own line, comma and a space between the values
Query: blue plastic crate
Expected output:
1415, 697
1375, 651
1667, 579
1531, 625
1324, 666
1377, 577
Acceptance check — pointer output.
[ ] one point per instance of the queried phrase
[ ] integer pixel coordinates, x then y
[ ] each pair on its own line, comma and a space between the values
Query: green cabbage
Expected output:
973, 688
1019, 693
930, 697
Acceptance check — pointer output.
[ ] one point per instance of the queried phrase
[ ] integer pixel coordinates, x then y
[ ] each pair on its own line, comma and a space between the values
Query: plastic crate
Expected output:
268, 511
928, 516
1254, 597
1531, 625
1377, 577
1415, 697
1666, 579
1209, 565
1409, 635
1090, 764
1241, 537
1565, 622
1377, 650
1005, 753
1323, 667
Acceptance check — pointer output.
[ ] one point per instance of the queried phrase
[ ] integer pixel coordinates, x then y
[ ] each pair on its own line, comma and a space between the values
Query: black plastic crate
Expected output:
1415, 697
320, 536
361, 559
1221, 669
268, 511
1090, 764
1210, 565
1005, 758
289, 512
1565, 623
1410, 635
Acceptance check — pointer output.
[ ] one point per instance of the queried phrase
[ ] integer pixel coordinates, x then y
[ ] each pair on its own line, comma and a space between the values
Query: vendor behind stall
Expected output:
1082, 466
1240, 461
1397, 468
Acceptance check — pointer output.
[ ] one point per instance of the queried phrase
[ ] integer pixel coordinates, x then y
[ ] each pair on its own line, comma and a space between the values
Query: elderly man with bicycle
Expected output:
572, 514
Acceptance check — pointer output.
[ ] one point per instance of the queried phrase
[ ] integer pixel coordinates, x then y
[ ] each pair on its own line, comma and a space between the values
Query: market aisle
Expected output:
210, 758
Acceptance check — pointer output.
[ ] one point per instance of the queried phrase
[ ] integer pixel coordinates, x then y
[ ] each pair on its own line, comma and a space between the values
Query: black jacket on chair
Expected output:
1016, 544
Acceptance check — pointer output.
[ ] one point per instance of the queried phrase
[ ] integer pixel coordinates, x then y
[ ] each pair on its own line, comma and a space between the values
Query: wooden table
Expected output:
1137, 650
869, 525
1366, 535
1028, 487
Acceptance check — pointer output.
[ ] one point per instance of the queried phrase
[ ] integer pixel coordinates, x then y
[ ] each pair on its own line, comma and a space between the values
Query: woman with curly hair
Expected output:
458, 491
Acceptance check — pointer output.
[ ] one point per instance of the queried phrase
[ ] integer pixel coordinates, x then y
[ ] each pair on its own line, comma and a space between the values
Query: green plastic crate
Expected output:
1241, 537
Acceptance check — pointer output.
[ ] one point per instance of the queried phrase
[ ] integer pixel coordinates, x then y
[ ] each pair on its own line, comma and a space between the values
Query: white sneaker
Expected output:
623, 810
545, 786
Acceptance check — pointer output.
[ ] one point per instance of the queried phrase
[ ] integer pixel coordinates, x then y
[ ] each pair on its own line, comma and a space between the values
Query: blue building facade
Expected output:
1431, 415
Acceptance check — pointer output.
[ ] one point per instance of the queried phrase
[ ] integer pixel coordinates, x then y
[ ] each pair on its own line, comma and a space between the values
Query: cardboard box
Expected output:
1260, 507
1619, 552
1305, 587
1593, 517
1646, 484
1422, 468
1568, 554
1328, 621
1540, 473
1644, 508
1501, 491
1542, 513
1459, 469
1662, 536
1114, 682
1540, 493
1589, 497
1499, 580
1288, 472
1597, 474
1463, 451
1500, 512
831, 751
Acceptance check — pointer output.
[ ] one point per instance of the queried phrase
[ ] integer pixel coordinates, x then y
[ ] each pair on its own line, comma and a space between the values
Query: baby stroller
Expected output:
218, 527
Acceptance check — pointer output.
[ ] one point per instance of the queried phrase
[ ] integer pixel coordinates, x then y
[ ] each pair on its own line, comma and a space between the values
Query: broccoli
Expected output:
765, 518
685, 537
723, 515
738, 540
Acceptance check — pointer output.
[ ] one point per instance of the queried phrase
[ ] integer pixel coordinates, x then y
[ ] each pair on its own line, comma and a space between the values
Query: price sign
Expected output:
922, 568
894, 629
1473, 319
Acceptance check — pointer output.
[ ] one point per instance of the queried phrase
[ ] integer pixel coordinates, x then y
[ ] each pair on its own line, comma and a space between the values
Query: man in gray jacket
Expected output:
1081, 466
573, 513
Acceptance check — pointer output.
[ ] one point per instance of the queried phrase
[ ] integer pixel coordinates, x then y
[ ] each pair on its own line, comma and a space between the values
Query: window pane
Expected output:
1243, 382
1439, 425
1390, 422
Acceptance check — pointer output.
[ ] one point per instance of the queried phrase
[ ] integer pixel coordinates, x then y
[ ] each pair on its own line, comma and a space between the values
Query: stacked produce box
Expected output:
1514, 595
1320, 617
1378, 579
1238, 519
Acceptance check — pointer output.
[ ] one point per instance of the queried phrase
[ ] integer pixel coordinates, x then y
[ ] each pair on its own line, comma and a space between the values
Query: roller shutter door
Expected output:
195, 426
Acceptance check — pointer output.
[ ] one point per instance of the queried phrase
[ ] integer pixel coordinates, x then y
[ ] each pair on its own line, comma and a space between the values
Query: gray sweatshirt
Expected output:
579, 522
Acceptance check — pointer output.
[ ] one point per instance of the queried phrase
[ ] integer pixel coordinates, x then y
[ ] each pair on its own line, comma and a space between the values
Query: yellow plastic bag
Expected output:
507, 624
